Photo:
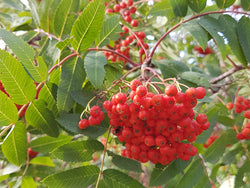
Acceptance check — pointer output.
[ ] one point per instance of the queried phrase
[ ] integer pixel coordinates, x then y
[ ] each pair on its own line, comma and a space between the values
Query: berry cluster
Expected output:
245, 133
122, 44
241, 104
154, 126
95, 118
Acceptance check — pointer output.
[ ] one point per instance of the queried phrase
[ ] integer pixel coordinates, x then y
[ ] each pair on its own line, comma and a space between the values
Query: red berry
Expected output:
171, 90
141, 35
109, 10
32, 153
141, 91
127, 19
247, 114
229, 106
83, 124
134, 84
134, 23
123, 5
160, 141
107, 105
125, 29
200, 92
191, 93
95, 111
149, 141
130, 2
201, 118
132, 10
120, 98
116, 7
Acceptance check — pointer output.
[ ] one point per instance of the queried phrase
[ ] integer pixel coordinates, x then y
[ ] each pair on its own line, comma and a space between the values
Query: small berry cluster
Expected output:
154, 126
210, 140
126, 10
122, 44
245, 133
241, 104
32, 153
95, 118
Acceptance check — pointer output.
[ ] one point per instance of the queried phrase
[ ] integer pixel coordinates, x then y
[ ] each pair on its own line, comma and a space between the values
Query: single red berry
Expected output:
83, 124
134, 23
201, 118
191, 93
107, 105
141, 35
141, 91
32, 153
247, 114
120, 98
128, 19
239, 99
160, 141
229, 106
125, 29
123, 5
149, 141
117, 7
125, 43
171, 90
126, 13
134, 84
130, 2
132, 10
109, 10
95, 111
130, 39
200, 92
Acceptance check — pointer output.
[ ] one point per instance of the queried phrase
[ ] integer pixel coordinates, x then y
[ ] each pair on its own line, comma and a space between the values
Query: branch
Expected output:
189, 19
227, 74
61, 62
114, 52
104, 154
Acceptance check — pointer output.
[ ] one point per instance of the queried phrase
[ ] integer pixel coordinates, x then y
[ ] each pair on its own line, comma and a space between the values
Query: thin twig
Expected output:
6, 129
61, 62
104, 154
187, 20
114, 52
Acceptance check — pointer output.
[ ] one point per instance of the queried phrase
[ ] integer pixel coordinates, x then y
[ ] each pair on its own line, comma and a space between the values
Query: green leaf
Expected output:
94, 65
72, 78
28, 182
161, 175
8, 111
213, 27
45, 161
88, 25
14, 146
113, 72
17, 83
78, 151
227, 121
78, 177
42, 69
16, 4
47, 13
204, 182
85, 95
230, 155
34, 13
46, 143
65, 16
195, 170
195, 77
197, 32
40, 117
180, 7
245, 4
62, 44
116, 179
224, 3
171, 68
23, 52
126, 163
49, 93
239, 176
69, 122
162, 8
229, 29
216, 150
197, 5
243, 30
110, 31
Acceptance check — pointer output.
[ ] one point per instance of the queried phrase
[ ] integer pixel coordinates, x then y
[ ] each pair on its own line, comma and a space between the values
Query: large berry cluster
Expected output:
157, 127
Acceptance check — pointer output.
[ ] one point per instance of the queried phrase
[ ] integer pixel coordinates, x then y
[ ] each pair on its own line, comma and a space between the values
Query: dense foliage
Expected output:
125, 93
